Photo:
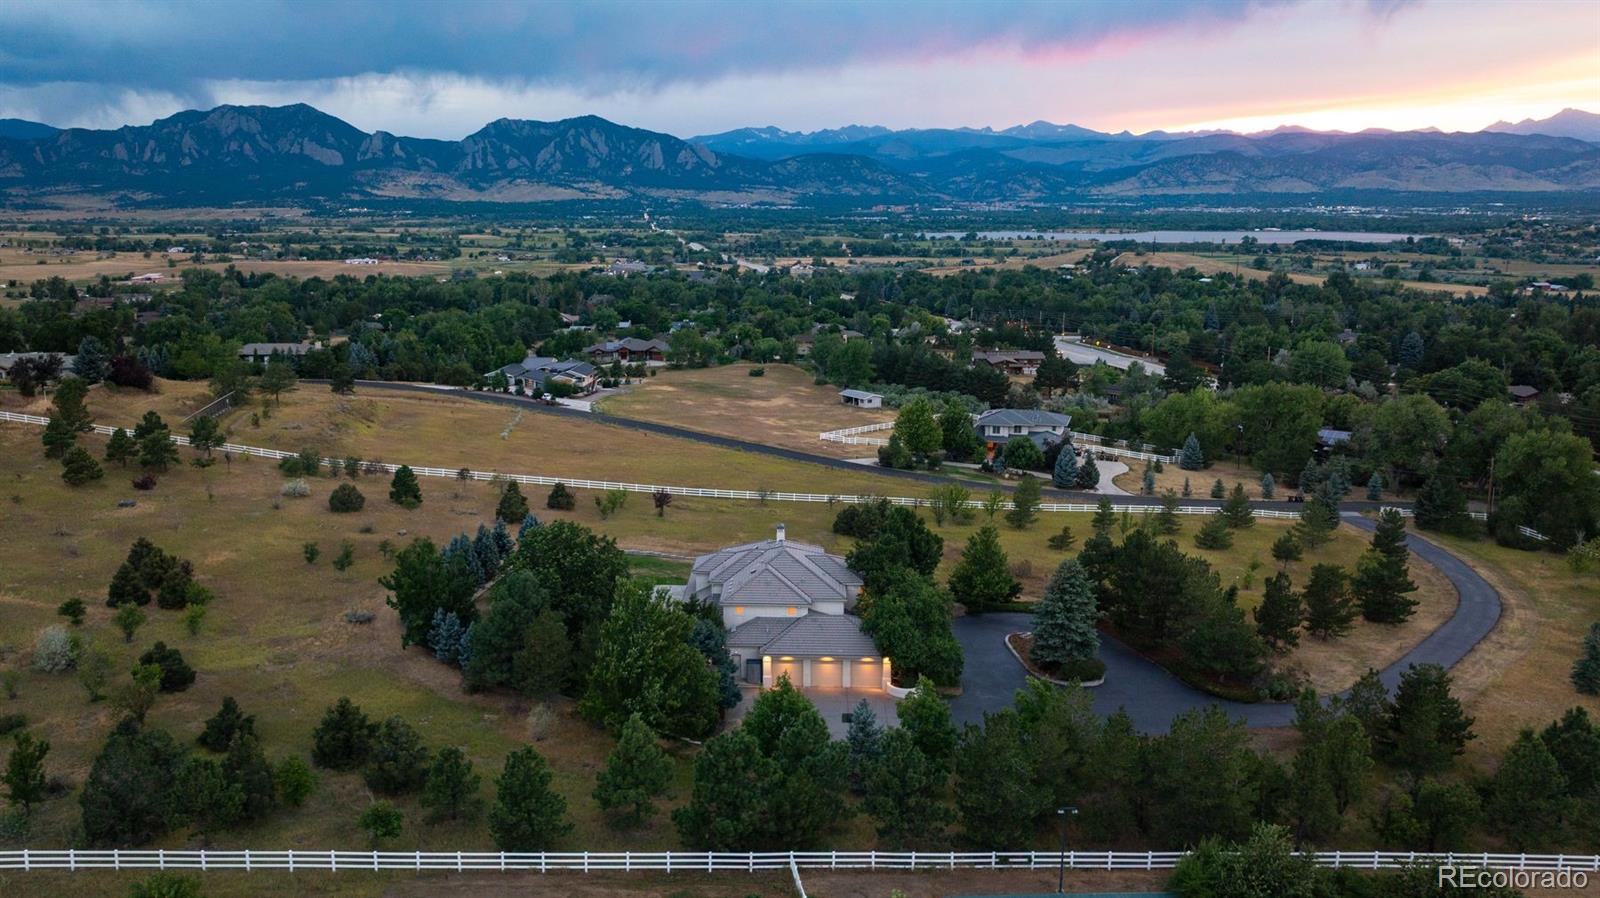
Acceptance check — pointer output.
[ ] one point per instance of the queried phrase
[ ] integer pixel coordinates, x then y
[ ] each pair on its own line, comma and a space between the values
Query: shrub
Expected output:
166, 885
295, 780
1084, 670
144, 482
10, 723
758, 372
296, 489
346, 498
560, 498
54, 651
176, 674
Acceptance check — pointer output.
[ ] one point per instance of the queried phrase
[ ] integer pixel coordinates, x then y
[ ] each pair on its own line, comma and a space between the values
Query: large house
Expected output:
786, 607
998, 426
9, 360
263, 352
1014, 362
531, 374
628, 351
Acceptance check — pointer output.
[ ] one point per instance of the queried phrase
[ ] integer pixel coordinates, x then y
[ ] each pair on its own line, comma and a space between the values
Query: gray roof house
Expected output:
786, 606
261, 352
530, 374
998, 426
861, 398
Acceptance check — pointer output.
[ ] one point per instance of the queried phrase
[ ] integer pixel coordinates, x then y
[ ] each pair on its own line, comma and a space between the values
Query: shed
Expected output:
861, 398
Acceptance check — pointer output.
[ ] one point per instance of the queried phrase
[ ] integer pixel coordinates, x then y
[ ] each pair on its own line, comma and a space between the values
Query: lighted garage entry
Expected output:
790, 666
866, 673
827, 673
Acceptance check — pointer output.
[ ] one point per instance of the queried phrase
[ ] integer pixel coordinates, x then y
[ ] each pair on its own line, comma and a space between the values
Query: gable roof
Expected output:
859, 394
1025, 417
774, 572
823, 634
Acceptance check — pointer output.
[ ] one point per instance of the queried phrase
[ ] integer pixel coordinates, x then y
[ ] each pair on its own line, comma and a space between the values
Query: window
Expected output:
739, 610
791, 611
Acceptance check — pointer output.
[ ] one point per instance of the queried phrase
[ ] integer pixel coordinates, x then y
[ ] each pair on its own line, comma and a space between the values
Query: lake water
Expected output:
1183, 236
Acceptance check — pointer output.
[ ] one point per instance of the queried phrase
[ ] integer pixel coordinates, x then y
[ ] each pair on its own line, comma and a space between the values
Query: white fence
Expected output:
850, 436
723, 862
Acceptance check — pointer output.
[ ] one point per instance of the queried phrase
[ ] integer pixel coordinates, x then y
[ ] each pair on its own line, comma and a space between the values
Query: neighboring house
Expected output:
629, 351
801, 270
998, 426
861, 398
150, 278
361, 260
1522, 394
1329, 437
1014, 362
625, 267
530, 374
786, 607
263, 352
10, 359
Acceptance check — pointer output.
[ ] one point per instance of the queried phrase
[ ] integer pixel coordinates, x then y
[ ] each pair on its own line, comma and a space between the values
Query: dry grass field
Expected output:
785, 407
23, 267
1206, 264
1171, 477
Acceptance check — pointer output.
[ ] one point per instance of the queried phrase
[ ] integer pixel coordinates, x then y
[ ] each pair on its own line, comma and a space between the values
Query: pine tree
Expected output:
1188, 490
1310, 477
93, 361
404, 490
529, 523
1287, 548
58, 437
247, 768
444, 636
396, 761
903, 793
1375, 487
1105, 518
1214, 534
1279, 615
1236, 510
1088, 473
513, 506
636, 772
223, 726
982, 579
79, 467
1411, 350
121, 447
344, 737
560, 498
1218, 491
1024, 503
1269, 487
1528, 795
1441, 505
1064, 476
1382, 581
865, 739
1167, 523
527, 814
450, 787
1425, 727
1063, 540
1317, 522
24, 777
1191, 458
1147, 481
1586, 670
157, 451
1064, 625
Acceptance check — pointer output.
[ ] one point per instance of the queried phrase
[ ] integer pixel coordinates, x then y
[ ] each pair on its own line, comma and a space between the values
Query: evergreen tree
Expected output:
157, 451
925, 717
423, 582
1330, 612
1236, 510
341, 379
450, 787
58, 437
1528, 799
1317, 522
1411, 350
1088, 473
1425, 728
513, 506
343, 739
1214, 534
709, 639
246, 767
204, 797
1024, 503
959, 438
903, 793
1375, 487
1287, 548
1441, 505
403, 488
1188, 490
1147, 481
1279, 614
176, 674
1218, 491
205, 435
346, 498
444, 636
1191, 458
277, 377
1269, 487
1105, 518
1382, 581
227, 723
1062, 541
1064, 476
637, 771
560, 498
865, 739
1586, 670
1064, 626
24, 777
1167, 522
731, 804
397, 762
121, 447
1574, 741
995, 797
93, 361
79, 467
127, 798
982, 579
527, 814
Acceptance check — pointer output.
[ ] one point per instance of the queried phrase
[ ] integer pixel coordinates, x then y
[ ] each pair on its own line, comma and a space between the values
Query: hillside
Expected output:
261, 154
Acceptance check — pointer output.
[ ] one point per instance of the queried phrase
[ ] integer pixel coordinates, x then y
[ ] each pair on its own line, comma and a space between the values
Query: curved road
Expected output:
1153, 697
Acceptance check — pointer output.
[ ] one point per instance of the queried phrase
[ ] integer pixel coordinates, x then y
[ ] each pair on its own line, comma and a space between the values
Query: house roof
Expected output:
1002, 356
539, 367
776, 572
275, 348
1523, 391
823, 634
758, 631
1329, 436
859, 394
1025, 417
631, 344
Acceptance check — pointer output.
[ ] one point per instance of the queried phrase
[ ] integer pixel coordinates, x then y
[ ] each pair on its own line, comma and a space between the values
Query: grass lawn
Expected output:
783, 408
1519, 676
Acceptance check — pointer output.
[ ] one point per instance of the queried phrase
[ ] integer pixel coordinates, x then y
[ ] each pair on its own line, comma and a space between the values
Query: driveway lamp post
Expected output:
1061, 823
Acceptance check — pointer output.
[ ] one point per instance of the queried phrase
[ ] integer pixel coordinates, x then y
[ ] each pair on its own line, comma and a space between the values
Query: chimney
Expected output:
780, 533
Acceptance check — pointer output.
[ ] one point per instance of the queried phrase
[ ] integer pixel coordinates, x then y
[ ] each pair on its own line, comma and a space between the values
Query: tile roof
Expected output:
1026, 417
823, 634
774, 572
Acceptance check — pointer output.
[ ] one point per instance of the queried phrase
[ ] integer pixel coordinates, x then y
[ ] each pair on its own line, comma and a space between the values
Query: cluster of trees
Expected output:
150, 573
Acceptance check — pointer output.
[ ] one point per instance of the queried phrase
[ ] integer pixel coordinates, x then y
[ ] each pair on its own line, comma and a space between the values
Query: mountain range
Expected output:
300, 155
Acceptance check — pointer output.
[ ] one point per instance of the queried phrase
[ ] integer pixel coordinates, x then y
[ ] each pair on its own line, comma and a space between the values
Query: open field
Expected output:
1519, 675
17, 265
1209, 264
1171, 477
782, 408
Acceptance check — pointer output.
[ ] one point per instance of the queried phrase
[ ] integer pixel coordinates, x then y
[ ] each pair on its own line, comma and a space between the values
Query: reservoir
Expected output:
1280, 237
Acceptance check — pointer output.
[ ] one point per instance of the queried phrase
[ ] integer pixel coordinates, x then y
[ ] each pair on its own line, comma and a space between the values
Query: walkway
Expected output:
1153, 697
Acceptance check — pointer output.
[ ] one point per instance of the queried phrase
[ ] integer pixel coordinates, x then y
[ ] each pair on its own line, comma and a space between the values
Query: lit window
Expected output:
791, 611
738, 609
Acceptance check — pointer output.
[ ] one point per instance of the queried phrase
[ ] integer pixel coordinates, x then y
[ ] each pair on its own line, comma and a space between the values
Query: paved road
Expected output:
1153, 697
795, 454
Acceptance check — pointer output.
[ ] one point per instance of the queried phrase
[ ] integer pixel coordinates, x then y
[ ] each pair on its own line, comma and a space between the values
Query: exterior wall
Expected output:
732, 618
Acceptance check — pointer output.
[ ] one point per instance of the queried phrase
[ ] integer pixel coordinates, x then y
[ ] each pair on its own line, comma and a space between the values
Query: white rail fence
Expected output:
719, 862
851, 436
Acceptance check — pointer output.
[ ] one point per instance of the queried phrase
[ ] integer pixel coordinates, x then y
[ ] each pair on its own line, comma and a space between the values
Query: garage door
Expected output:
866, 675
792, 668
827, 674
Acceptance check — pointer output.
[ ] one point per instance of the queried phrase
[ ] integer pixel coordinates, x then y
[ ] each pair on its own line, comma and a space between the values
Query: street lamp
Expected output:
1061, 823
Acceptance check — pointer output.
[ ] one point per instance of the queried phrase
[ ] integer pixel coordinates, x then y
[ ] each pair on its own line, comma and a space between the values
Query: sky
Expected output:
444, 69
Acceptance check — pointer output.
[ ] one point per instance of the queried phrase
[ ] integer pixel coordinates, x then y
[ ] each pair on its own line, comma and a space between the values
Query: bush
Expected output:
560, 498
176, 674
757, 372
144, 482
11, 723
166, 885
1084, 670
54, 651
295, 781
346, 498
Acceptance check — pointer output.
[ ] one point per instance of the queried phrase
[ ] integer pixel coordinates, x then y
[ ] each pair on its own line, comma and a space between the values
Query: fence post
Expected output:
161, 858
333, 860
